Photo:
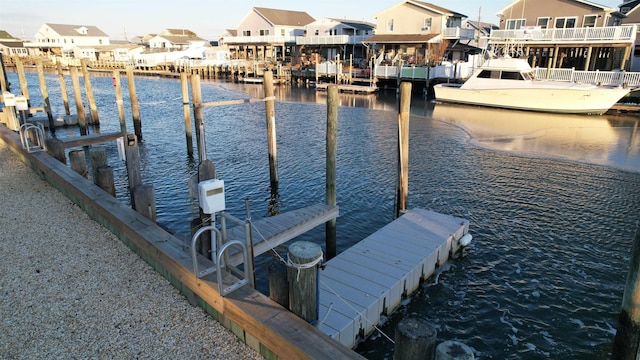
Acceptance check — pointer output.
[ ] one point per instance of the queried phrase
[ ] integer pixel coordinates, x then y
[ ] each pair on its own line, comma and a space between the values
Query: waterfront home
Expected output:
565, 34
331, 38
481, 31
11, 46
631, 10
119, 51
267, 34
69, 41
418, 33
175, 39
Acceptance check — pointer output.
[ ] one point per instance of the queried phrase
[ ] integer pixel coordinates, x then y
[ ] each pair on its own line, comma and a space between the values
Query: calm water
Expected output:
552, 200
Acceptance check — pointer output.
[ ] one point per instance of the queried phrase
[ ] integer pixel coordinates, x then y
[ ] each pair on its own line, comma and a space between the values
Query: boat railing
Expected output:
597, 77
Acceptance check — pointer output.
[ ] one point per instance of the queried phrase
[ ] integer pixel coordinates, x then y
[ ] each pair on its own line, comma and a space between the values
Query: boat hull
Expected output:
595, 101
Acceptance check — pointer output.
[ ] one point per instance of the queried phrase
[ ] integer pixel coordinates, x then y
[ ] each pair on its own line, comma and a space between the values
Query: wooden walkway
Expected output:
272, 231
371, 278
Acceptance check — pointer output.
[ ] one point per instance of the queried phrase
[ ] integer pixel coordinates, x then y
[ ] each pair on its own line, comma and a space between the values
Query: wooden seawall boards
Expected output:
370, 278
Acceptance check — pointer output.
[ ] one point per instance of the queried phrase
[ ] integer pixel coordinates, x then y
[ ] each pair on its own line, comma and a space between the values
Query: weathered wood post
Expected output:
184, 82
63, 88
4, 82
89, 89
627, 341
135, 105
98, 158
144, 197
104, 179
302, 272
78, 162
198, 114
278, 284
331, 144
82, 120
22, 79
415, 339
45, 94
403, 148
119, 102
132, 156
270, 114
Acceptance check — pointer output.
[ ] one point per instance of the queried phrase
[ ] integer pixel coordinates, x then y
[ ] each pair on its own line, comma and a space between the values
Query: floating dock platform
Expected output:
370, 279
356, 89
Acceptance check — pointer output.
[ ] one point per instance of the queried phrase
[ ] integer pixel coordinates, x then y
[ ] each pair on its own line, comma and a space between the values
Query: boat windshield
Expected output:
528, 75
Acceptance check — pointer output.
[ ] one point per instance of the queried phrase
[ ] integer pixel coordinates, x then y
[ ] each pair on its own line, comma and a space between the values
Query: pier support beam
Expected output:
627, 341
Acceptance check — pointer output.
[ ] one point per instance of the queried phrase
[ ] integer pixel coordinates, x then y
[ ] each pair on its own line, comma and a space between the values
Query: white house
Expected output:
175, 39
65, 40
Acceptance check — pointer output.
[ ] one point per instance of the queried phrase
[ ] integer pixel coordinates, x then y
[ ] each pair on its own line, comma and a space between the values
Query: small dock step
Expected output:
275, 230
370, 278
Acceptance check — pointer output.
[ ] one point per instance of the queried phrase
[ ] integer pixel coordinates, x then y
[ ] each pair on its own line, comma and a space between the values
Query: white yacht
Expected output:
510, 83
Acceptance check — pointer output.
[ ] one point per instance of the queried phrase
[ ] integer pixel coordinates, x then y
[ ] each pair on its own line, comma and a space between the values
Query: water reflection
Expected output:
610, 140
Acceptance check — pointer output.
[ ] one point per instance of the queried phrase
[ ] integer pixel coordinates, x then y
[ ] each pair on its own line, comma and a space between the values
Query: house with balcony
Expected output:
631, 10
175, 40
331, 38
267, 35
69, 41
565, 34
420, 33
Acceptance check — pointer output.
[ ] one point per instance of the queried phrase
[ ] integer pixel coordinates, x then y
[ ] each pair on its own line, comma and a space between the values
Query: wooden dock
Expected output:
371, 278
275, 230
356, 89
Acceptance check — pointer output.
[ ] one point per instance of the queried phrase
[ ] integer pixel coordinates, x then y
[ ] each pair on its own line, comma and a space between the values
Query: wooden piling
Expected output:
4, 82
78, 162
415, 339
82, 120
45, 94
198, 114
22, 79
278, 285
271, 128
94, 119
627, 340
97, 158
119, 102
302, 273
331, 150
184, 82
144, 197
403, 148
104, 179
63, 88
135, 105
132, 156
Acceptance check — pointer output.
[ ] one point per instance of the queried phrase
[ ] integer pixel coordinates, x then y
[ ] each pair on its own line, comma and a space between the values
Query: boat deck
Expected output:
370, 279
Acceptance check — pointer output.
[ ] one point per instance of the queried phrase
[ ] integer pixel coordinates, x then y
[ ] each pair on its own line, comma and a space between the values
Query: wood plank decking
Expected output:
359, 89
275, 230
370, 278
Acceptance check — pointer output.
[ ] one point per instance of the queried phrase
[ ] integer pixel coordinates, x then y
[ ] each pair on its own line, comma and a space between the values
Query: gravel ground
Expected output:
70, 289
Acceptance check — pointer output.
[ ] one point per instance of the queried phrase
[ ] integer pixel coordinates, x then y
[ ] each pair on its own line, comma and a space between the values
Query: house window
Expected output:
427, 23
317, 32
389, 24
246, 33
264, 32
543, 22
589, 21
515, 24
566, 23
282, 32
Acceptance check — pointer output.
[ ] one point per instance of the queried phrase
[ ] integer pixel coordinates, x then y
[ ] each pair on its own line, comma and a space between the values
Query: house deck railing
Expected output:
458, 33
331, 40
625, 33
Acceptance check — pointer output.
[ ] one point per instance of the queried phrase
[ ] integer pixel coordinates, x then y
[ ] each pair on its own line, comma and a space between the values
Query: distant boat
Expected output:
510, 83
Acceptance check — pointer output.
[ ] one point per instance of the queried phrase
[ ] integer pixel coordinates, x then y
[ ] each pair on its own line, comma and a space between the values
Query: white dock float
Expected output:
370, 278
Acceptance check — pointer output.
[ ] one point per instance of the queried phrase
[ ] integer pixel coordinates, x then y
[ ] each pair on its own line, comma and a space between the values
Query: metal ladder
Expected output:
36, 143
219, 250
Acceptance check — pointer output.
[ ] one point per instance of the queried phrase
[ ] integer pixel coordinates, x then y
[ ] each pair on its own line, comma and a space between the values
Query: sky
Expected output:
122, 19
